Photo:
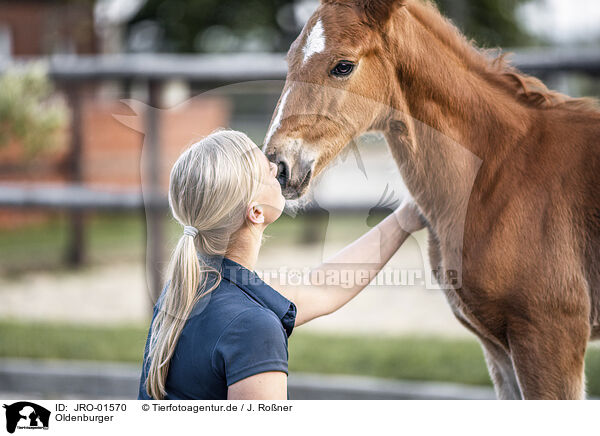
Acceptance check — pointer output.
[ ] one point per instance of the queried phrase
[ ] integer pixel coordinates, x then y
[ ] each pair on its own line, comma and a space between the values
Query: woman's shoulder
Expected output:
255, 319
228, 304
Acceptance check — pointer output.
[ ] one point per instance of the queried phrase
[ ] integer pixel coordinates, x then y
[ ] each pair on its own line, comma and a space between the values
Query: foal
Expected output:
505, 171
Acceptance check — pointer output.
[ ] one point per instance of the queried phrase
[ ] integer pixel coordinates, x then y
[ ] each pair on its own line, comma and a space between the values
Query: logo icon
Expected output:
26, 415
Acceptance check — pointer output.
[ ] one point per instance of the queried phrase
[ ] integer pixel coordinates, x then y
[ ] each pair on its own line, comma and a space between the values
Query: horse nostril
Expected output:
283, 173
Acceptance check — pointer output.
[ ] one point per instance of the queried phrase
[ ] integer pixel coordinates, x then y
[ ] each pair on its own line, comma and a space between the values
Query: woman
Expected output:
218, 331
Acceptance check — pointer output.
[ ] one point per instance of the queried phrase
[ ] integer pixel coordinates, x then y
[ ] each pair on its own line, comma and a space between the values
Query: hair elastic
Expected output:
190, 231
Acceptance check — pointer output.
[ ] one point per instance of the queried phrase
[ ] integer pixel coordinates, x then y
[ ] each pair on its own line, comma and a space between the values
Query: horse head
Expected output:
338, 86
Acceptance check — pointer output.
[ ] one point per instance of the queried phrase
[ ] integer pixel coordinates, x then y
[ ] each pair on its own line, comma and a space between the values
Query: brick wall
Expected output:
111, 148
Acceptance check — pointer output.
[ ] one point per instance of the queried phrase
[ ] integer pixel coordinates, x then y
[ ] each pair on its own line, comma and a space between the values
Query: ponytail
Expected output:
187, 284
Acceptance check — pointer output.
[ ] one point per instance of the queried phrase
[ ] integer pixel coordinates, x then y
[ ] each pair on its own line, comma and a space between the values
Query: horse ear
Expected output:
379, 11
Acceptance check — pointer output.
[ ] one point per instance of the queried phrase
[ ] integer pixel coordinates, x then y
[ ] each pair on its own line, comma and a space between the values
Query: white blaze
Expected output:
277, 120
315, 43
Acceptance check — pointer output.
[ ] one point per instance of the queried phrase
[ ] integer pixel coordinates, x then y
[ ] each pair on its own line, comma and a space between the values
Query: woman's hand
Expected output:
409, 216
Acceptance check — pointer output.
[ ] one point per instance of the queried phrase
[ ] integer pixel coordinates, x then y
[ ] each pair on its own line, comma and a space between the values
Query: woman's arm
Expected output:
271, 385
360, 261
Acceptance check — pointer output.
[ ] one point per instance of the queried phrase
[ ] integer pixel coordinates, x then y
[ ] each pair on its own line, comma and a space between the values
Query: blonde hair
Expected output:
211, 185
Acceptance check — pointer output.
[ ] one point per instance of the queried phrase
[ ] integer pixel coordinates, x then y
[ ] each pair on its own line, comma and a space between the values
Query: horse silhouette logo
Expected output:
26, 415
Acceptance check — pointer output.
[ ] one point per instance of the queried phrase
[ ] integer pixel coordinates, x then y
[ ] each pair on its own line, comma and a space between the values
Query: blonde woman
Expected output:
218, 331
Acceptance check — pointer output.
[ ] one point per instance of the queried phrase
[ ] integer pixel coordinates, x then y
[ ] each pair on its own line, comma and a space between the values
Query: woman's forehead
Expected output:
262, 156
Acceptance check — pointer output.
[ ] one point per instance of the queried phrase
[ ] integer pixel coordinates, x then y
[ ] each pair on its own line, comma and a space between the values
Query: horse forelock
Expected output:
333, 24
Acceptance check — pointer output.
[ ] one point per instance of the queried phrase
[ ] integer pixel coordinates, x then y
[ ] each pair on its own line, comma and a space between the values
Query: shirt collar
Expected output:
264, 294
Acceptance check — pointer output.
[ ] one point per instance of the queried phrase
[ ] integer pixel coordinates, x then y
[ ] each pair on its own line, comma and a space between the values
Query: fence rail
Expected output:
78, 197
238, 67
70, 197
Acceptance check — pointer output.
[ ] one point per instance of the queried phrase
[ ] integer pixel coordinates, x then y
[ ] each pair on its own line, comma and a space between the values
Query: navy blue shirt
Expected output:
239, 329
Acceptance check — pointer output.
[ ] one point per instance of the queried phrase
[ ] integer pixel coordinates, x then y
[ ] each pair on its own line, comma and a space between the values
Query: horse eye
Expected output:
342, 69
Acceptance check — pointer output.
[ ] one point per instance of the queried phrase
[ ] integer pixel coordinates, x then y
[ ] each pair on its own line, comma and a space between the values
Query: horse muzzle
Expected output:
294, 175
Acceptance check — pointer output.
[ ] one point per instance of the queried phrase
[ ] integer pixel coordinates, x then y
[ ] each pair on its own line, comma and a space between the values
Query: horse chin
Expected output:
296, 192
293, 193
297, 200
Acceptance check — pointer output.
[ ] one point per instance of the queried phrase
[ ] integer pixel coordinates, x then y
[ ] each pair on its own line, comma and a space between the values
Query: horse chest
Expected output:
472, 305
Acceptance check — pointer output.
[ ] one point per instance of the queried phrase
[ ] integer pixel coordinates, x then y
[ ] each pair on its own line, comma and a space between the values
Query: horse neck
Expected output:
457, 118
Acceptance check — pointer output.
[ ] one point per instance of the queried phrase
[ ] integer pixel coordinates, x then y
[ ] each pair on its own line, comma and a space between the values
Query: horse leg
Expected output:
548, 358
498, 362
501, 370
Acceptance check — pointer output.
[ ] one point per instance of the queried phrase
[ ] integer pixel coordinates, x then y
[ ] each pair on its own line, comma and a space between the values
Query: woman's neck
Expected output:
244, 247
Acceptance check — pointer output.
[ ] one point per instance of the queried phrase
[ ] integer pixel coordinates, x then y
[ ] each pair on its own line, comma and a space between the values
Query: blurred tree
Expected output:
29, 113
491, 23
268, 25
210, 25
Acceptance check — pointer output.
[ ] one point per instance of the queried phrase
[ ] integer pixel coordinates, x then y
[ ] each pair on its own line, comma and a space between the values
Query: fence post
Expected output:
75, 255
154, 213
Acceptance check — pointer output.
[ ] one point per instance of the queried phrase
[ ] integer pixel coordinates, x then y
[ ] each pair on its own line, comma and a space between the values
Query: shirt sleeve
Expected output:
253, 342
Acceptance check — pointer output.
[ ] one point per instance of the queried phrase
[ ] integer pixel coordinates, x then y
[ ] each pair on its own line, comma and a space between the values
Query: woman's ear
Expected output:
256, 214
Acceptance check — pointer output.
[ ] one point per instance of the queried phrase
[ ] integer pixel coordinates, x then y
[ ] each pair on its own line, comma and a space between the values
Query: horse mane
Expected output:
527, 89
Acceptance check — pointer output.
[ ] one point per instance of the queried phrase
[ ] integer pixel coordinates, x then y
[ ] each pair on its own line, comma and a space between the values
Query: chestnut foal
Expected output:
505, 172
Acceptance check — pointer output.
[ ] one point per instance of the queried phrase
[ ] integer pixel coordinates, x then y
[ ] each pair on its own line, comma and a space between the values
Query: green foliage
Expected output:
28, 111
182, 22
56, 340
400, 357
109, 238
491, 23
